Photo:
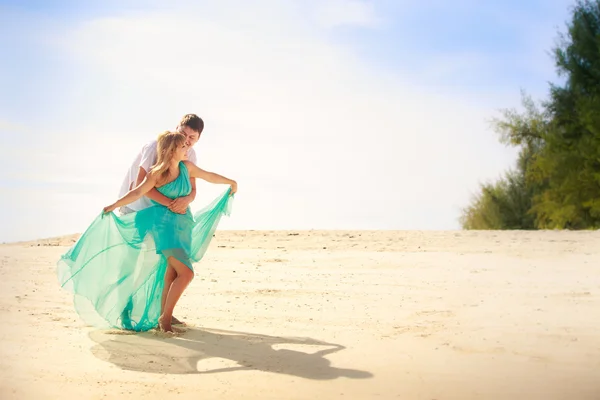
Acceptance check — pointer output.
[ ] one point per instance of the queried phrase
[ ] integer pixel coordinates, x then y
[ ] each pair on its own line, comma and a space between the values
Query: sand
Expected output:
327, 315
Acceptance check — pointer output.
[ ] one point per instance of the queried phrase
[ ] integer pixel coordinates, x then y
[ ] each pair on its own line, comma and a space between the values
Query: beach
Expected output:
326, 315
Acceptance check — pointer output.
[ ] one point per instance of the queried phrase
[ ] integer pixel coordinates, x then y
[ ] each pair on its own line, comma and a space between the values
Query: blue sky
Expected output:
331, 114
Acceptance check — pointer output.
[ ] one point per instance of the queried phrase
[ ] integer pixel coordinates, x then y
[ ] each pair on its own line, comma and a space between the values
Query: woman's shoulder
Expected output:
188, 163
152, 175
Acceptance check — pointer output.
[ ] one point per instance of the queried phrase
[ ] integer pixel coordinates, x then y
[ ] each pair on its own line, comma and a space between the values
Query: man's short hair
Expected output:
193, 122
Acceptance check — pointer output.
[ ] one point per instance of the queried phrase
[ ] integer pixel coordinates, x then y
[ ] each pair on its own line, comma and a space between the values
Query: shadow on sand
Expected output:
204, 351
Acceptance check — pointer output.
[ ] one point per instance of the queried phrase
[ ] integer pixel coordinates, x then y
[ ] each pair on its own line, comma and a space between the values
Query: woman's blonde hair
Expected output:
168, 143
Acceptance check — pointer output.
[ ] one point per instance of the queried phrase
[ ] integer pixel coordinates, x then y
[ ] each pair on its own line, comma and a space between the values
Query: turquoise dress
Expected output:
116, 269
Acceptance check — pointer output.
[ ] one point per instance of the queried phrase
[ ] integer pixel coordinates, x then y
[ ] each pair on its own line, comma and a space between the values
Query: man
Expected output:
191, 126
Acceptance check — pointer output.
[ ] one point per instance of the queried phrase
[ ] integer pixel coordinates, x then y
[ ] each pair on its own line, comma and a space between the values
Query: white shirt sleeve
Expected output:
192, 156
148, 156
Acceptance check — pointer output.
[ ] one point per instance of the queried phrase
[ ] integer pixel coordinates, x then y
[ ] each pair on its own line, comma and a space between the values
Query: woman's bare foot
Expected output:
175, 321
164, 325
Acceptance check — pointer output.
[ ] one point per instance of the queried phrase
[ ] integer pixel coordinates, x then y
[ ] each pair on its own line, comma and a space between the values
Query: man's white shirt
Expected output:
145, 159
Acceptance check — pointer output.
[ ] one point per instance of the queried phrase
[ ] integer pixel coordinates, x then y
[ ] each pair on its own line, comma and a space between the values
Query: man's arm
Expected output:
193, 159
192, 194
181, 204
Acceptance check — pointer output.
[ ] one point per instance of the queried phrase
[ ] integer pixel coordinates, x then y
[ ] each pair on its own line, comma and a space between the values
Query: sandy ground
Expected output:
327, 315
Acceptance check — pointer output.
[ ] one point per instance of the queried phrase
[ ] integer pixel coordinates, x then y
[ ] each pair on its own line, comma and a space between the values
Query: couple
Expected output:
129, 271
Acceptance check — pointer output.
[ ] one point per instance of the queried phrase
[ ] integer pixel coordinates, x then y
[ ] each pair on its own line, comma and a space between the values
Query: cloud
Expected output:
334, 13
316, 136
7, 127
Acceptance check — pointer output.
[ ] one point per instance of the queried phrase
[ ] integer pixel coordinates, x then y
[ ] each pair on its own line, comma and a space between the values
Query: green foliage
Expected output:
504, 204
556, 184
570, 160
527, 129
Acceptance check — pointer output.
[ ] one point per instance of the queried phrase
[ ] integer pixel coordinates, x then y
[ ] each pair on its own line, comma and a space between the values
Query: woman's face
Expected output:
180, 153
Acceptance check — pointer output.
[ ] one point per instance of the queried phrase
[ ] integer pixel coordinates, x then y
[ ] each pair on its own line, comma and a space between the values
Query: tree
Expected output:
557, 180
569, 160
507, 203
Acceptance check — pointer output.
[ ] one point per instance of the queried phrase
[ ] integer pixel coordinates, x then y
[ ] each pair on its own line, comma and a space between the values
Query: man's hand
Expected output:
180, 204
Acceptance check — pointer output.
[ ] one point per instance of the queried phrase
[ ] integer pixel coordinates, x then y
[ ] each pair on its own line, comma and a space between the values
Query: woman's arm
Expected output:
210, 177
148, 183
153, 194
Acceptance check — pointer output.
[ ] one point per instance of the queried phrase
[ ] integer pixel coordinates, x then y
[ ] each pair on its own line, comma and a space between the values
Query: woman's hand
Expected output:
110, 208
233, 187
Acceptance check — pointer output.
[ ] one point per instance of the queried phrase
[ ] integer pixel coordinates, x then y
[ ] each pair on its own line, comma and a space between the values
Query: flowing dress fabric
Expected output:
117, 267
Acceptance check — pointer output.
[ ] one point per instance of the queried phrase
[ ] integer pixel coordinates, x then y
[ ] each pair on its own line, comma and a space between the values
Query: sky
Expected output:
330, 114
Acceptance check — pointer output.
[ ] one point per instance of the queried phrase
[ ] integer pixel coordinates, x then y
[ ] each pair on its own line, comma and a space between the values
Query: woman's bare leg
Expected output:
170, 276
180, 283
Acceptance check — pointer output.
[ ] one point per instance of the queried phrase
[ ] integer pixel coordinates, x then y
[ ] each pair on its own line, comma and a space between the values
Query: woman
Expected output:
117, 268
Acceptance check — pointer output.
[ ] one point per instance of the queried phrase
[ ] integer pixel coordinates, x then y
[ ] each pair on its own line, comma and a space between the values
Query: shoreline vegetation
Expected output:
555, 183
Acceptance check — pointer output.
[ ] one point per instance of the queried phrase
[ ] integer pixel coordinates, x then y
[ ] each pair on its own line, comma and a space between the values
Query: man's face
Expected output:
191, 135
